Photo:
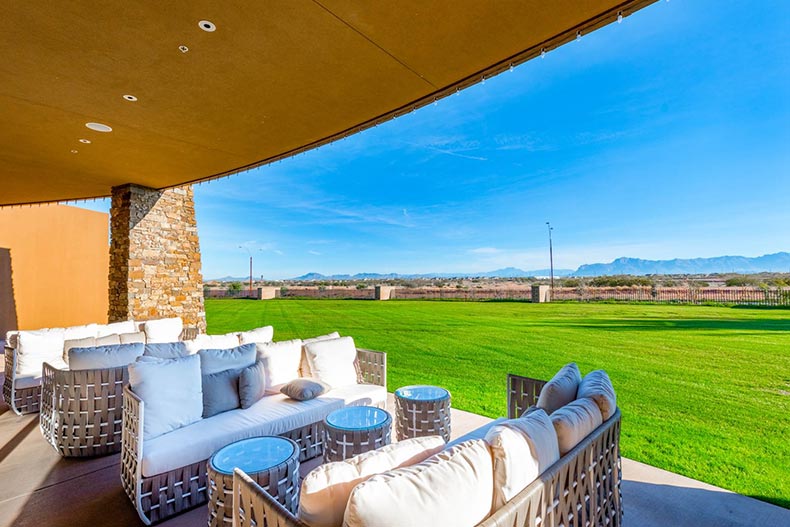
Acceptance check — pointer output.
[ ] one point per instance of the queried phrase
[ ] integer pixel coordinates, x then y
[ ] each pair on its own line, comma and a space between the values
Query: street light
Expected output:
250, 253
551, 256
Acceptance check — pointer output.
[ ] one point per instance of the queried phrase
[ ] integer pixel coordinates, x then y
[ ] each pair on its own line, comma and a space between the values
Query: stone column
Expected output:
155, 256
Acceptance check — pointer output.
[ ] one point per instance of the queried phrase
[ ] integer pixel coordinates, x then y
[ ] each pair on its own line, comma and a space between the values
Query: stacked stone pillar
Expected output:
155, 256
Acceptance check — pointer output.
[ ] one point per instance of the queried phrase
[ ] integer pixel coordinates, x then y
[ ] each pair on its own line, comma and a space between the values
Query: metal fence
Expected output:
682, 295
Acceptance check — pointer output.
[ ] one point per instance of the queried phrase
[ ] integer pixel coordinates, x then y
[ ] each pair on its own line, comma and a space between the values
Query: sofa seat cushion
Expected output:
272, 415
32, 381
561, 389
454, 487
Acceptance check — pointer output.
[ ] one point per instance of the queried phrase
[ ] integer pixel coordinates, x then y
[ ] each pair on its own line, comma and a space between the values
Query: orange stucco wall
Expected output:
53, 267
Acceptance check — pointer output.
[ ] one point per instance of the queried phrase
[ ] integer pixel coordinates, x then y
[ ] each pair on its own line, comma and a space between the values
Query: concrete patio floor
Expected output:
38, 488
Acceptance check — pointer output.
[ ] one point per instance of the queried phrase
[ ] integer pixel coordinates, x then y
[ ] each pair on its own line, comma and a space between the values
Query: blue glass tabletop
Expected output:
422, 393
253, 455
357, 418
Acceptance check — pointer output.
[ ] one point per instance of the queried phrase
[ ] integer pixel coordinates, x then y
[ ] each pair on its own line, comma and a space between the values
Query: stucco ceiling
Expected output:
274, 78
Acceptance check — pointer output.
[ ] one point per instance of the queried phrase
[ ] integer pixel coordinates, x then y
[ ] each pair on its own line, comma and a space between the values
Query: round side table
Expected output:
272, 461
422, 411
355, 429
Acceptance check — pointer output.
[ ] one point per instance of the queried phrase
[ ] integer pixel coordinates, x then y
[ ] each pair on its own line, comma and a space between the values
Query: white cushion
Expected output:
132, 338
305, 366
214, 342
574, 421
454, 487
332, 361
117, 328
100, 357
477, 433
163, 330
87, 342
171, 390
280, 362
597, 386
34, 348
326, 489
80, 332
561, 389
272, 415
264, 334
523, 449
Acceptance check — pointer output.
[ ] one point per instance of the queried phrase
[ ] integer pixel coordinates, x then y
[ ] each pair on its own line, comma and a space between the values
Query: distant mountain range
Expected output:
778, 262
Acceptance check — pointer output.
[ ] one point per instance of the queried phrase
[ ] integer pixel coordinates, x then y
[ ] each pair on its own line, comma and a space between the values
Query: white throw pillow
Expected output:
171, 390
305, 365
254, 336
561, 389
523, 449
132, 338
34, 348
597, 386
326, 489
101, 357
80, 332
574, 421
280, 362
332, 361
163, 330
453, 487
213, 342
116, 328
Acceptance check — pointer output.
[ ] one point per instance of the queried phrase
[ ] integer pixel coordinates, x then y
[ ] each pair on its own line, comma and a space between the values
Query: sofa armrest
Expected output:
522, 392
372, 367
132, 447
254, 506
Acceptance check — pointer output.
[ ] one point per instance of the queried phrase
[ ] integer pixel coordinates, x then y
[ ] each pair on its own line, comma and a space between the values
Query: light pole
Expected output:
250, 253
551, 256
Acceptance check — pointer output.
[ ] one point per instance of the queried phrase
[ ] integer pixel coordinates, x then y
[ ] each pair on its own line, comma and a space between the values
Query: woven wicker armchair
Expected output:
164, 495
81, 410
581, 489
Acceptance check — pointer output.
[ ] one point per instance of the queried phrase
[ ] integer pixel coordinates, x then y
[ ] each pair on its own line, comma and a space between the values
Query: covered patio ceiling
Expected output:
255, 82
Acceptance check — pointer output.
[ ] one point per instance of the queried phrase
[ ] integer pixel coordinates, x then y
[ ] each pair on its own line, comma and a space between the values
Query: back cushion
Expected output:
264, 334
280, 362
203, 342
101, 357
131, 338
80, 332
252, 384
454, 487
574, 421
305, 366
87, 342
163, 330
561, 389
171, 390
220, 392
597, 386
116, 328
236, 358
523, 449
34, 348
166, 350
326, 489
332, 361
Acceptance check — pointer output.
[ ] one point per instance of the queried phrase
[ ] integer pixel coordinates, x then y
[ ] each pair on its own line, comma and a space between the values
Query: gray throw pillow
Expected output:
305, 389
252, 384
102, 357
166, 350
217, 360
220, 392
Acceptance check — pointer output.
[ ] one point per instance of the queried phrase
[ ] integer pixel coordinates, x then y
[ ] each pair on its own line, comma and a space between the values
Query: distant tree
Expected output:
361, 286
740, 281
234, 286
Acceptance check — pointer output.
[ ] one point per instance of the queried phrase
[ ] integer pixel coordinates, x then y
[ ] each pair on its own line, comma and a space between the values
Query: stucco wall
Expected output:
54, 263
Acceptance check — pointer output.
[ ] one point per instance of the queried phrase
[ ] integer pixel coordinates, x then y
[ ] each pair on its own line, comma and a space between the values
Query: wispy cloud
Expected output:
314, 253
485, 250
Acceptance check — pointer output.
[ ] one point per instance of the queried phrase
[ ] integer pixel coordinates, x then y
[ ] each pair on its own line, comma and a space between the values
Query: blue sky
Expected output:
664, 136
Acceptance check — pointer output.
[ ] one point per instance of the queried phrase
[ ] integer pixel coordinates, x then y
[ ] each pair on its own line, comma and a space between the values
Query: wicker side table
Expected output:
422, 411
272, 461
355, 429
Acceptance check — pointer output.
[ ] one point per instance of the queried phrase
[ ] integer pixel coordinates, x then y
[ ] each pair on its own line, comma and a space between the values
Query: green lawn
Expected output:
704, 391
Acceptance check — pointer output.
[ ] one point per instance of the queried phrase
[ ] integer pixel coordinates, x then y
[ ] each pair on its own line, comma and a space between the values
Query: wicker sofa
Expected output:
22, 389
168, 474
581, 489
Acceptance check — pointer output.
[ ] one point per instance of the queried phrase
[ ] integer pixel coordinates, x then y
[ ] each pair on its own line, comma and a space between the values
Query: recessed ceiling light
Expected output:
85, 141
207, 26
131, 98
183, 49
74, 151
98, 127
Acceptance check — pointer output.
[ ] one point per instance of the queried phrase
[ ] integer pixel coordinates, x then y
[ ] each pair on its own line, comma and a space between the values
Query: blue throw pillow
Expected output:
217, 360
166, 350
102, 357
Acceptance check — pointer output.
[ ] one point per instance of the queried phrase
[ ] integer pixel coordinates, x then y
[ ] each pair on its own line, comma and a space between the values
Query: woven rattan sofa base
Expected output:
21, 400
582, 489
81, 410
159, 497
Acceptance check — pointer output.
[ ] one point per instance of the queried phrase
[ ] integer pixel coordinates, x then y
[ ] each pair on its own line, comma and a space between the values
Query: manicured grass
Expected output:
704, 391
